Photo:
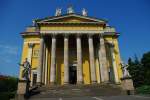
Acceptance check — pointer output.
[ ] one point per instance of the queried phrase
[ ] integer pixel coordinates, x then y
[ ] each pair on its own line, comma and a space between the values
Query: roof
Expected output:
54, 18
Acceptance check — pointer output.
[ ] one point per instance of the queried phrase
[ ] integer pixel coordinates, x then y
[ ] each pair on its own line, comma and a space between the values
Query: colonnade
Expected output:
102, 59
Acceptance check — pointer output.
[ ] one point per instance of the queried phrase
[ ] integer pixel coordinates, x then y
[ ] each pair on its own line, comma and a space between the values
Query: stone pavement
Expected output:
132, 97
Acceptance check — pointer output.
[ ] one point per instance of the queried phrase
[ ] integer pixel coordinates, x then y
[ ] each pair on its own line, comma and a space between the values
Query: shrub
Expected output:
145, 89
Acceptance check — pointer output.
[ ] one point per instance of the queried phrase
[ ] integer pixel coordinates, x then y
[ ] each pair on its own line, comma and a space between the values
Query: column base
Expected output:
79, 82
94, 82
39, 84
52, 83
66, 83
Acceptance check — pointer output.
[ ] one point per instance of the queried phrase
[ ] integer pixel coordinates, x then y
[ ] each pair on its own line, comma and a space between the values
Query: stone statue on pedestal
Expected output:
58, 12
27, 70
70, 10
84, 12
127, 83
23, 85
124, 70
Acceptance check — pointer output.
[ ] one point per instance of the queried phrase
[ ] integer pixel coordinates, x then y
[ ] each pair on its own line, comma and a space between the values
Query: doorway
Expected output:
72, 74
34, 79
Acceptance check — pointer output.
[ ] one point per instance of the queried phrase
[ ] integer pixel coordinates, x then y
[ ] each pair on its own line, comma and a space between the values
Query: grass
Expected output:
7, 95
145, 89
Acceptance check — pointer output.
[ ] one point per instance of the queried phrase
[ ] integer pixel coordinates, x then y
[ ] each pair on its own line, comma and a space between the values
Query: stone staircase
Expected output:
76, 91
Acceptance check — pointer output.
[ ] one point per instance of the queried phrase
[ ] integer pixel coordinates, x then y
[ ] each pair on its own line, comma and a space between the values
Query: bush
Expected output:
8, 87
145, 89
7, 95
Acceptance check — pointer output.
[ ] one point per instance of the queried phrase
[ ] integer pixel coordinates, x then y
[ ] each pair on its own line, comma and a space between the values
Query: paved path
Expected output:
133, 97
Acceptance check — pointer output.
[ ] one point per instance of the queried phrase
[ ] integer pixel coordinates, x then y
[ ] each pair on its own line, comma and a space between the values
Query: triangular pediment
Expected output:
71, 18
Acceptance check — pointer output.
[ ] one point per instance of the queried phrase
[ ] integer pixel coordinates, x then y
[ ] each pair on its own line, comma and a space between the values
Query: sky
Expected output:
131, 18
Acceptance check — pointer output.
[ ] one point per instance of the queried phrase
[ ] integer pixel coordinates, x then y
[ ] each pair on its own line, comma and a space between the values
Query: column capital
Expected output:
53, 35
101, 35
111, 44
31, 45
90, 35
78, 35
66, 35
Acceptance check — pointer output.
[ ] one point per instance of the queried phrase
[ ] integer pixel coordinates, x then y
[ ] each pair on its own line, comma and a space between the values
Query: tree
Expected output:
136, 71
146, 64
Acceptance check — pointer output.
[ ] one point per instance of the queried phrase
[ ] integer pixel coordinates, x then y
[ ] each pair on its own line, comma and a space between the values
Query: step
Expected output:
76, 91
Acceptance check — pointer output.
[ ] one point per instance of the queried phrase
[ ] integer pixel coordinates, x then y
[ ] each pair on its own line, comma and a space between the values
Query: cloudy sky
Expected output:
130, 17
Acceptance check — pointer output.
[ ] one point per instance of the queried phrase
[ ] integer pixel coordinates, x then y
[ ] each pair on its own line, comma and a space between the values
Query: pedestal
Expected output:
23, 89
127, 85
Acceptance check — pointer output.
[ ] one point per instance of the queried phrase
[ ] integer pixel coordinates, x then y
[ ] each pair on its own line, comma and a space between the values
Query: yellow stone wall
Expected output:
86, 66
70, 27
34, 60
114, 40
59, 65
24, 55
117, 56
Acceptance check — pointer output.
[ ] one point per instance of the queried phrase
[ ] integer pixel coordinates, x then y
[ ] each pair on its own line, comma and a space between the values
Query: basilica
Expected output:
71, 48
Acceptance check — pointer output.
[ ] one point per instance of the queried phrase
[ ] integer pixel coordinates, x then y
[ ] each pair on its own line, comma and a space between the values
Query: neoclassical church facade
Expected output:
71, 48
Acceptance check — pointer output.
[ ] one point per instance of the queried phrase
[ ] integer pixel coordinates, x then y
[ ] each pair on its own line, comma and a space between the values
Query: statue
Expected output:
70, 10
124, 70
27, 69
126, 80
58, 12
84, 12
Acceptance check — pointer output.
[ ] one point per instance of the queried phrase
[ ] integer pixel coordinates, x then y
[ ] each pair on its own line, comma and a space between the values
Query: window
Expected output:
36, 53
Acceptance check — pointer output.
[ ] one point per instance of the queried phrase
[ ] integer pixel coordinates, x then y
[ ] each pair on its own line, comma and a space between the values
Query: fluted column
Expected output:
92, 63
43, 68
114, 63
53, 61
103, 61
66, 65
79, 61
46, 67
39, 70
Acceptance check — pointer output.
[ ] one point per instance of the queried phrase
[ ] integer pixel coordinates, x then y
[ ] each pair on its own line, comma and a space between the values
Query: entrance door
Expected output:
34, 79
72, 75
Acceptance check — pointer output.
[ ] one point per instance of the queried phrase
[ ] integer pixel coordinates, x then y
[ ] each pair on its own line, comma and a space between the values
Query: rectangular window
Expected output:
36, 53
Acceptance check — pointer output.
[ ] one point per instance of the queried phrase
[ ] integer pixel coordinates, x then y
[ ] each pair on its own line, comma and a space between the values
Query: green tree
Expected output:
136, 71
146, 64
8, 87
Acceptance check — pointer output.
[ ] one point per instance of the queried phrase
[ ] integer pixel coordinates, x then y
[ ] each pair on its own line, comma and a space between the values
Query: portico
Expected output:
71, 55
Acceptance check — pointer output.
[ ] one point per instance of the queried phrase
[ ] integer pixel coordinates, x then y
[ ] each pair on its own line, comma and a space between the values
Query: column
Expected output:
79, 61
66, 66
92, 63
39, 70
114, 63
43, 68
103, 61
46, 67
53, 61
